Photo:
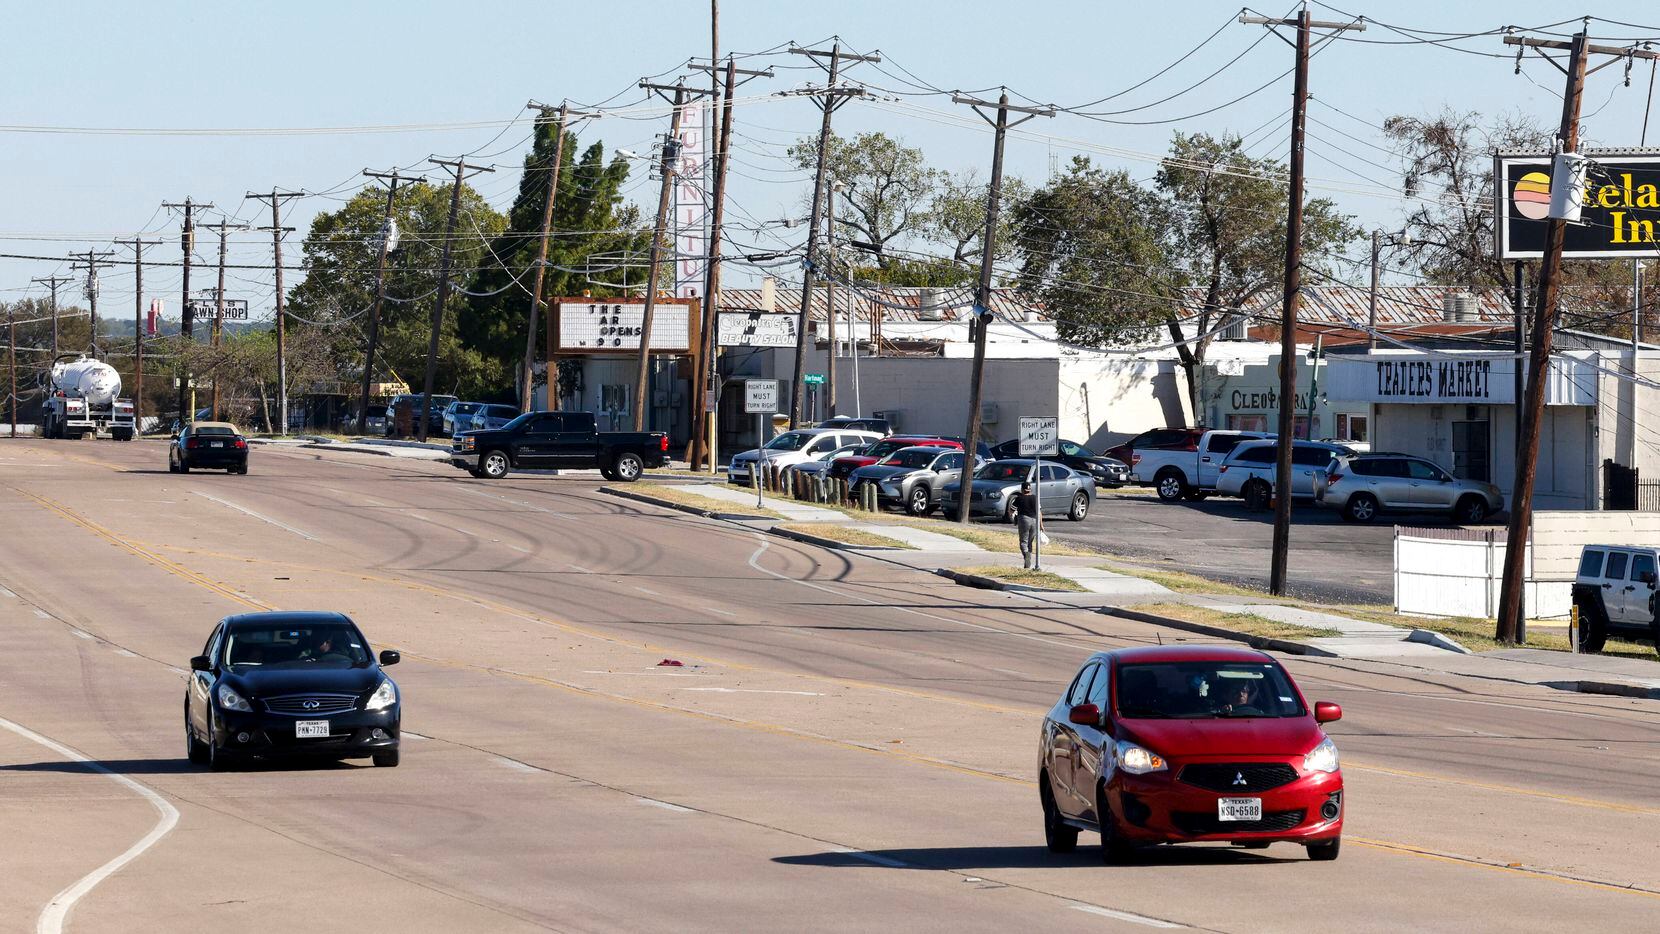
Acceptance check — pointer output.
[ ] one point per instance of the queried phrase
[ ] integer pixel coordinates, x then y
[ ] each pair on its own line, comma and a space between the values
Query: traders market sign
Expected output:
1620, 216
1428, 380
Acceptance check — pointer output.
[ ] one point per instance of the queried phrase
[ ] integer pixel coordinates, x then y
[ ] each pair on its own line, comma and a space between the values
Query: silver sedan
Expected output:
1063, 492
912, 478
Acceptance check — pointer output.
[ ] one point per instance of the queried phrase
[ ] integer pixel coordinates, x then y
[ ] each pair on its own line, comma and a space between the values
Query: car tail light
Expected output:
1191, 445
1332, 478
193, 443
241, 444
663, 443
1135, 459
1222, 469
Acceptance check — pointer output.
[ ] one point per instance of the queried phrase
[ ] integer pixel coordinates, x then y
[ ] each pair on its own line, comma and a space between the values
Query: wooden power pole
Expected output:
277, 230
52, 282
90, 260
187, 318
224, 228
982, 293
138, 244
461, 170
384, 248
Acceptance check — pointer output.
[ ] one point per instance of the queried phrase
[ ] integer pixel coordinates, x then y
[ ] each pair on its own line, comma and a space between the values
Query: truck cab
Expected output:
1614, 591
1188, 472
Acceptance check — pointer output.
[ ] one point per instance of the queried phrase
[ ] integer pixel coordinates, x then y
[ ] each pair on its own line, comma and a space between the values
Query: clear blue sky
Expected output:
316, 64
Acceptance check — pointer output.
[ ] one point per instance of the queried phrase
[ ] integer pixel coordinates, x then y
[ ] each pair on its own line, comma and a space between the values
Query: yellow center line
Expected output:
1422, 852
1508, 789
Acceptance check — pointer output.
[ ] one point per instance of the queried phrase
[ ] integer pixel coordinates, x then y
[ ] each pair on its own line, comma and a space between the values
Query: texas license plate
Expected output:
319, 729
1239, 809
216, 444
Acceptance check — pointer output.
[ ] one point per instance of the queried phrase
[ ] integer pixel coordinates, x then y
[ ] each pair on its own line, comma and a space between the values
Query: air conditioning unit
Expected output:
891, 416
928, 305
1234, 330
1460, 306
988, 413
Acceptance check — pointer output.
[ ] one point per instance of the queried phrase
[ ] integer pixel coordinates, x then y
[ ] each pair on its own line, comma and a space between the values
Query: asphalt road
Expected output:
848, 745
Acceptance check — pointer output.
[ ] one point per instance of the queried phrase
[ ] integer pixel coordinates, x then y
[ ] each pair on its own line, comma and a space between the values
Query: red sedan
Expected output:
1179, 744
843, 467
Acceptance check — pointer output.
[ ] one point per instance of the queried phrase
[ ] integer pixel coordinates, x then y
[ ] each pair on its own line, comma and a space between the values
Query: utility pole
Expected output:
1372, 301
138, 244
461, 170
704, 416
90, 260
566, 115
388, 242
224, 228
52, 282
11, 361
1512, 598
187, 318
1292, 292
1519, 342
833, 98
982, 294
830, 298
277, 230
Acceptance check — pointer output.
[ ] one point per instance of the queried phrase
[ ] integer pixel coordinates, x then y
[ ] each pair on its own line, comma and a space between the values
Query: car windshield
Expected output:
1204, 690
1004, 470
325, 645
909, 458
790, 441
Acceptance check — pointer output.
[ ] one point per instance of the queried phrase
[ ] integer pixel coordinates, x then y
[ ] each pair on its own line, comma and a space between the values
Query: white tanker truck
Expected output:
84, 397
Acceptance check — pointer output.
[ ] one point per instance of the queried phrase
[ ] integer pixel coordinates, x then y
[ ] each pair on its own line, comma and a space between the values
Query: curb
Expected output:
1438, 640
678, 507
991, 583
1255, 642
1612, 688
810, 539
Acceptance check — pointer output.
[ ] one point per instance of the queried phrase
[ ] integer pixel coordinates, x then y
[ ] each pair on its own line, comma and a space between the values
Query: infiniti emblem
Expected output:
313, 705
1239, 778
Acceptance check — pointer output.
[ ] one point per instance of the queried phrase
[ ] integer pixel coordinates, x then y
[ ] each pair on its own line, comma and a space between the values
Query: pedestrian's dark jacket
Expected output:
1026, 504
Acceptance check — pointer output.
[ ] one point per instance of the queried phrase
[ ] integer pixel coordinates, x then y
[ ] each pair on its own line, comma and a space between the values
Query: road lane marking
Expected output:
653, 802
1126, 916
652, 673
7, 594
1479, 863
263, 518
579, 568
870, 857
126, 654
1509, 789
710, 609
756, 691
79, 634
411, 734
647, 590
515, 764
43, 614
52, 916
415, 515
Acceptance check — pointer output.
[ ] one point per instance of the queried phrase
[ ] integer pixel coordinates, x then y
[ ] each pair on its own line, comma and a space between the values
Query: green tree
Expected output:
589, 217
886, 189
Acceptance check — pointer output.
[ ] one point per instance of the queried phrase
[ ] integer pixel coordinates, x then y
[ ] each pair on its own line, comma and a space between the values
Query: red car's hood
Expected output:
857, 460
1256, 736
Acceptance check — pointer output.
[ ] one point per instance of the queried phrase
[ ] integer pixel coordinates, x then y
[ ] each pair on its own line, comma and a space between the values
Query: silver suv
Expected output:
1362, 485
1615, 591
1249, 469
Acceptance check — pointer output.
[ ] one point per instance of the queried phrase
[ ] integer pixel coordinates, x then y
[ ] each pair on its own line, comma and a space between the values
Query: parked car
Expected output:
1157, 439
458, 416
1187, 472
878, 425
1188, 744
1062, 490
1106, 471
821, 466
492, 416
1363, 485
1615, 593
290, 684
375, 420
795, 447
911, 478
842, 467
403, 413
1250, 468
558, 439
208, 445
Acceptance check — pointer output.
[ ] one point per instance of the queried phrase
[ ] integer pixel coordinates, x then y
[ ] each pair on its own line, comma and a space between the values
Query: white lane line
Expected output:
653, 802
517, 548
53, 915
647, 590
711, 609
7, 594
43, 614
177, 671
518, 502
79, 634
411, 734
579, 568
757, 691
125, 654
416, 515
1126, 916
887, 861
515, 765
263, 518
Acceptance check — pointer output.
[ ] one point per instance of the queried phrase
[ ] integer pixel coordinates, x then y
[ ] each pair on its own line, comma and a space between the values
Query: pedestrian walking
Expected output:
1028, 521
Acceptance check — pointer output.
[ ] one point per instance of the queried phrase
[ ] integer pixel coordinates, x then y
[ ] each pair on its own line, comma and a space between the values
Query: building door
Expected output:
1471, 449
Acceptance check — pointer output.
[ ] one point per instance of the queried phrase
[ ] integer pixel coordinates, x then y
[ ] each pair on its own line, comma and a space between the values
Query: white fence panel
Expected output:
1455, 572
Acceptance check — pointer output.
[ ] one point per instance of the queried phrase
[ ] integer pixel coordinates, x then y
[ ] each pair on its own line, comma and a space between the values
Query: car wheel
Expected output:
1114, 848
475, 472
1471, 509
1060, 837
1326, 850
194, 749
628, 467
172, 467
1256, 495
1593, 629
918, 504
1654, 631
184, 466
387, 759
1361, 507
494, 465
1010, 511
1080, 507
1170, 486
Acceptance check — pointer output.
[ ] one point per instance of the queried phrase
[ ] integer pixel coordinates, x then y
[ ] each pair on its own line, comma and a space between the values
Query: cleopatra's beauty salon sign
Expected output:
1620, 216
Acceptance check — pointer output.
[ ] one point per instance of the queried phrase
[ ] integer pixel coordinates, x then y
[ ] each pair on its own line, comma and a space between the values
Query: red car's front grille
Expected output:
1197, 823
1238, 776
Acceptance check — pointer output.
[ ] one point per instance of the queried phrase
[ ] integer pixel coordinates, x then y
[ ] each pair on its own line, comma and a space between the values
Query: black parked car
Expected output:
290, 684
210, 445
1105, 471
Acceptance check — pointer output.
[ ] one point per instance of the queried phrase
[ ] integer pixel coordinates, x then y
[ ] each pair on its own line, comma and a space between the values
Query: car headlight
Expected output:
230, 700
1138, 761
385, 696
1322, 759
467, 443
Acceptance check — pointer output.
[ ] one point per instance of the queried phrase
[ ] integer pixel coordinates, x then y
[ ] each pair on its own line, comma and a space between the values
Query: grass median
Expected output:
1024, 577
859, 538
1248, 624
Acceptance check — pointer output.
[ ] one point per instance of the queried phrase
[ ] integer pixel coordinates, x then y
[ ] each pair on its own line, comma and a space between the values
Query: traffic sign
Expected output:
813, 379
761, 396
1039, 435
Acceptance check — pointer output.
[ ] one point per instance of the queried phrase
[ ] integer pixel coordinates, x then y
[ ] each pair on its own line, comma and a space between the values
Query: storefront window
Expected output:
1351, 427
1247, 422
1299, 427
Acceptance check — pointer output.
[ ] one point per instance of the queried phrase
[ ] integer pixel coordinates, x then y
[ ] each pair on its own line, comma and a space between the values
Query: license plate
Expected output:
216, 444
1239, 809
317, 729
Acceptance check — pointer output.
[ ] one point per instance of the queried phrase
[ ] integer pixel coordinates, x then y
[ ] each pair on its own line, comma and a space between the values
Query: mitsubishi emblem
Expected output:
1239, 778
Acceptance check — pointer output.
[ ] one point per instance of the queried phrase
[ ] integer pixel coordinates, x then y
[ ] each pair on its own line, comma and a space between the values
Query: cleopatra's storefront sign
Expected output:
1620, 216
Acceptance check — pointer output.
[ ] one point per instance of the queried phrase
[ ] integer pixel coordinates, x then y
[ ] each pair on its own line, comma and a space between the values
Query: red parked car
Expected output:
1178, 744
843, 467
1173, 439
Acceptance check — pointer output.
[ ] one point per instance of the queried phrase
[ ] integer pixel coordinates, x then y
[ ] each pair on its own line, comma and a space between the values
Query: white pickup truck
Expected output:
1187, 473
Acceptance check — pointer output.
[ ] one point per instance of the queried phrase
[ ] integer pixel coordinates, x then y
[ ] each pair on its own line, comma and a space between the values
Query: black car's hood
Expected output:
272, 682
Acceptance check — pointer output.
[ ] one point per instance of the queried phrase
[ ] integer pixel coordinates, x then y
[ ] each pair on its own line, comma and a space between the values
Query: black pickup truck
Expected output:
542, 440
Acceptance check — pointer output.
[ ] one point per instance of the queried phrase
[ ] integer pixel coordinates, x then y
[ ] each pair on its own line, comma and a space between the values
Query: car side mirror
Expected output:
201, 663
1326, 712
390, 657
1647, 577
1085, 715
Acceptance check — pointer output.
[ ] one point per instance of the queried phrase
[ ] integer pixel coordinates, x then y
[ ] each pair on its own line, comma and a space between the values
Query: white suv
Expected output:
1249, 469
796, 447
1614, 591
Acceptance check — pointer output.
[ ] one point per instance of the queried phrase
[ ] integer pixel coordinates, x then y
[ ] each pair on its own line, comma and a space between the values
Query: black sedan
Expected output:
210, 445
1105, 471
290, 684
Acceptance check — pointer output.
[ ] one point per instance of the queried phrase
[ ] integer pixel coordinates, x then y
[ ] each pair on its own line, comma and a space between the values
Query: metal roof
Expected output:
896, 303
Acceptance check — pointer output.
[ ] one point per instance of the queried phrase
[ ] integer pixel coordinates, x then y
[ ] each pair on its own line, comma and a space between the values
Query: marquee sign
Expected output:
755, 329
1620, 217
588, 326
